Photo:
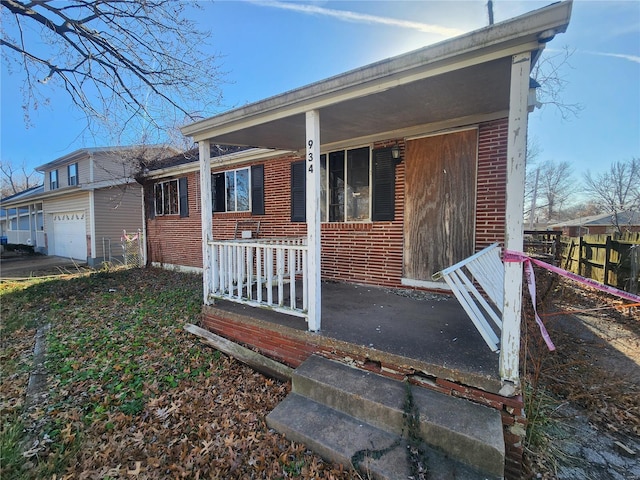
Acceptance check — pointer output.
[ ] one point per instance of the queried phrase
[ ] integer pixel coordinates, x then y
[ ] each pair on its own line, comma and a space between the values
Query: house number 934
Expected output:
310, 156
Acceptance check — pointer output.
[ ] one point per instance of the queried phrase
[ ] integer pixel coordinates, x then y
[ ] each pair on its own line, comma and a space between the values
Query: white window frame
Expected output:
54, 184
235, 189
73, 179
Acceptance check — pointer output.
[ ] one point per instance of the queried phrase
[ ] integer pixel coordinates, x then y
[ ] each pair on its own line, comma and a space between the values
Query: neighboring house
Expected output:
380, 176
605, 223
22, 225
89, 197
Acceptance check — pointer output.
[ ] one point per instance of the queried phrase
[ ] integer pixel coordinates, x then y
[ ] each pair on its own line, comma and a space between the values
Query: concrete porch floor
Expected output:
425, 331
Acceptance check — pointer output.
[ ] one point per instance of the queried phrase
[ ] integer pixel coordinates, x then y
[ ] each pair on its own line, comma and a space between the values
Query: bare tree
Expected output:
549, 73
616, 190
531, 181
16, 179
555, 186
119, 61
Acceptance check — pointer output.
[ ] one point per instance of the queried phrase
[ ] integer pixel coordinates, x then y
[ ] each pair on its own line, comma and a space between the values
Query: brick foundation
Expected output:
292, 347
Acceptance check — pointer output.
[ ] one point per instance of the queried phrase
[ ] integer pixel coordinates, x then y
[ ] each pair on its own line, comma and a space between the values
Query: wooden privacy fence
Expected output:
544, 245
610, 259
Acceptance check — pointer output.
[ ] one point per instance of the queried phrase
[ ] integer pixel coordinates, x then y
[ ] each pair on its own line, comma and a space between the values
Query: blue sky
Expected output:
267, 48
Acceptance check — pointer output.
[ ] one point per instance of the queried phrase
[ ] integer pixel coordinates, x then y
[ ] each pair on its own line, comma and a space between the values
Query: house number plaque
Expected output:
310, 156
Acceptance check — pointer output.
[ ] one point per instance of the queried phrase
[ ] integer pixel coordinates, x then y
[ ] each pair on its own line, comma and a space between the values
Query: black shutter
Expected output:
257, 189
150, 200
184, 198
384, 185
298, 192
217, 192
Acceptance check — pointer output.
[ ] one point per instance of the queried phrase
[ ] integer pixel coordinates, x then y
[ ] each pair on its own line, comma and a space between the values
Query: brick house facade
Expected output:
375, 253
457, 114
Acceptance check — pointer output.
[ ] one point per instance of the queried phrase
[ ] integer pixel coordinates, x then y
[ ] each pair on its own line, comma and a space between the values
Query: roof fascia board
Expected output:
254, 154
71, 157
177, 170
225, 162
108, 183
44, 196
22, 195
90, 151
506, 38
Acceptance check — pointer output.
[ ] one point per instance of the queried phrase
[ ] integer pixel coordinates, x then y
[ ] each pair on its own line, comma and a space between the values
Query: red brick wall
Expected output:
492, 181
369, 253
178, 241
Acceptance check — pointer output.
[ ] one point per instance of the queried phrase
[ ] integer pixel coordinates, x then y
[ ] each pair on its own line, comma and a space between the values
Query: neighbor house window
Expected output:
356, 185
239, 190
72, 170
169, 197
53, 179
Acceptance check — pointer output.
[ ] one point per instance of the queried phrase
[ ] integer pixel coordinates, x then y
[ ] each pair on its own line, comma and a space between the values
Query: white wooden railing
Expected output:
19, 237
262, 273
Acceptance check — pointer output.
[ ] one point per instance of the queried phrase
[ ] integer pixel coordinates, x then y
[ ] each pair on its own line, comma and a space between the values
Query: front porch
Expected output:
396, 332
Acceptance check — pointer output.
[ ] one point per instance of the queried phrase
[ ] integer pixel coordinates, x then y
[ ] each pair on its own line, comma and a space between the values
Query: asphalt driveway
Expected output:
15, 265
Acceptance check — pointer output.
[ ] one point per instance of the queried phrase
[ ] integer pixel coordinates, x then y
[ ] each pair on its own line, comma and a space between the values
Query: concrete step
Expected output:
461, 430
339, 437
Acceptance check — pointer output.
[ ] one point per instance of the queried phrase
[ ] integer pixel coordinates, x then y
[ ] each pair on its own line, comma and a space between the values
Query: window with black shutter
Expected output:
257, 190
239, 190
169, 198
384, 184
184, 197
218, 192
298, 192
150, 200
346, 193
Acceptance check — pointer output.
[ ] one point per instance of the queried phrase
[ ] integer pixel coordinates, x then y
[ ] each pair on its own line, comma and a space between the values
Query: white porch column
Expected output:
206, 212
313, 217
516, 153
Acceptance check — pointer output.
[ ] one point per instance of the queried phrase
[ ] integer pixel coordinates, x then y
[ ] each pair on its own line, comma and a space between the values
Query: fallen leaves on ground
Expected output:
132, 395
596, 365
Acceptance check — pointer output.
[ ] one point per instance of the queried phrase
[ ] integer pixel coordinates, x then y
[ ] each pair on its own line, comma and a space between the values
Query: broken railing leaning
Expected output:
487, 270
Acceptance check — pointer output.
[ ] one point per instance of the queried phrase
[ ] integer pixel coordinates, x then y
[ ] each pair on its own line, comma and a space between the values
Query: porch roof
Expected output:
463, 78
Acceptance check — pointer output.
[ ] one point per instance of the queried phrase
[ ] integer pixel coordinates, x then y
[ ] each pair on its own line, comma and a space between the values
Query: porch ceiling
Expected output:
479, 90
467, 77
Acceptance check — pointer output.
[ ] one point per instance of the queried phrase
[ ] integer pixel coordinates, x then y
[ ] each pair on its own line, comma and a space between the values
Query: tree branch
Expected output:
134, 53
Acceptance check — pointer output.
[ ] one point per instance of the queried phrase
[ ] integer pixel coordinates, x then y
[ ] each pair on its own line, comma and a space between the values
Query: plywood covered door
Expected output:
439, 214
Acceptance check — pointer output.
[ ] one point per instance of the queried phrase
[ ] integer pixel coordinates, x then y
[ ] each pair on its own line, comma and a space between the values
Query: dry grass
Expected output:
130, 394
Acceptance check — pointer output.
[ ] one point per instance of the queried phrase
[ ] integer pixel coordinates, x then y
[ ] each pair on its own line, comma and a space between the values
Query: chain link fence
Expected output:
133, 249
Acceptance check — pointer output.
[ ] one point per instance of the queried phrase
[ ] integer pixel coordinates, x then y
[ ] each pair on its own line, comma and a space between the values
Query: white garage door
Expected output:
69, 235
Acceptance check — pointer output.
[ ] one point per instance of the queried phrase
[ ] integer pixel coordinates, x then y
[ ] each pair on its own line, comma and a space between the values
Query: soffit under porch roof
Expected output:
465, 77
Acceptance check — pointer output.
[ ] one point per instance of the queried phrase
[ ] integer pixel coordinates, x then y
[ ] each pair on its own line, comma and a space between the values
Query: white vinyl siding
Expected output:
116, 209
112, 166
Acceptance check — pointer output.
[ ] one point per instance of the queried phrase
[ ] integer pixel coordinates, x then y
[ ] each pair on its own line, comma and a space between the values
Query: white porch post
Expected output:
313, 218
206, 212
516, 153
